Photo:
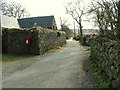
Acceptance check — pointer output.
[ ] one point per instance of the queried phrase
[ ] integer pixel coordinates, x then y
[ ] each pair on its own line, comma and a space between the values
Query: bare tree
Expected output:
62, 23
105, 14
76, 10
1, 1
65, 27
14, 10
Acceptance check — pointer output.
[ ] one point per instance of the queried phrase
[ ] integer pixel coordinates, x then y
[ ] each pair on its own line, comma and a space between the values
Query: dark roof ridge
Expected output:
38, 17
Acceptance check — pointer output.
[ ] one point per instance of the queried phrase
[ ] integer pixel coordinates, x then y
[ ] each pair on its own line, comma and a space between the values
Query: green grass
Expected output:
0, 57
102, 81
12, 57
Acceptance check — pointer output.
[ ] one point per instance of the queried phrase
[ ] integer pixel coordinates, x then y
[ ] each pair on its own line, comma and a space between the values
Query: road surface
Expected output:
64, 68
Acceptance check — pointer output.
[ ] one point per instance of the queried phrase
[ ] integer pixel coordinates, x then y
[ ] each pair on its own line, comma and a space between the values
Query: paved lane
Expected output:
64, 68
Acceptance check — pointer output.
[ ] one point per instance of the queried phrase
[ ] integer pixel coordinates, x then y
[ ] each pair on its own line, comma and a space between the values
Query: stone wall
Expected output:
41, 40
86, 39
106, 54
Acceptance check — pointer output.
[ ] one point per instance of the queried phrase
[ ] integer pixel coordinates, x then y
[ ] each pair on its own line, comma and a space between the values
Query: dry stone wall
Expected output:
41, 40
106, 54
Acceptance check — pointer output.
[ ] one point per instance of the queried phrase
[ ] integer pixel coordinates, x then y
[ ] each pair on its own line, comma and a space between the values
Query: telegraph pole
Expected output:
74, 30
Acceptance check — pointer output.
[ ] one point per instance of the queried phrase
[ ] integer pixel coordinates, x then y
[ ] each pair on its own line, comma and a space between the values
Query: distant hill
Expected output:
88, 31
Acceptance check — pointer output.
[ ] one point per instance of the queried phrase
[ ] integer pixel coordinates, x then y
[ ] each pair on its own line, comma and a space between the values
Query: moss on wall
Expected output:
42, 39
105, 53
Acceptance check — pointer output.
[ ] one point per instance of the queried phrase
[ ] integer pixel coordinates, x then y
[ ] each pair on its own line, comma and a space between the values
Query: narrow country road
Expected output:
64, 68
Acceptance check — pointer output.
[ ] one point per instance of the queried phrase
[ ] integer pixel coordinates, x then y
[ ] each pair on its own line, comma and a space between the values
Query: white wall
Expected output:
9, 22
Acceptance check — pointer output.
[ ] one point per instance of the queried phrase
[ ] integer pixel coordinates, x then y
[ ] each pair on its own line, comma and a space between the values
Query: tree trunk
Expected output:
80, 26
78, 32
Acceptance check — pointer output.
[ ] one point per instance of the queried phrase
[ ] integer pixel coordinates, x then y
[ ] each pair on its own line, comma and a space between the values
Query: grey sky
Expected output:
50, 7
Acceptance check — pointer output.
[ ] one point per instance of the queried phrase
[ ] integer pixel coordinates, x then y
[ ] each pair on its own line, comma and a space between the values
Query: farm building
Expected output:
43, 21
9, 22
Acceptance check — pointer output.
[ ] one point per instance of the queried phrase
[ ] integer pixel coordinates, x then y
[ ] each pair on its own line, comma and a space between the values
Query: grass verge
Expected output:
12, 57
102, 81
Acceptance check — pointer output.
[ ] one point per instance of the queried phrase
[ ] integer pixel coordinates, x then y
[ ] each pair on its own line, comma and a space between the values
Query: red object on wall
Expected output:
27, 38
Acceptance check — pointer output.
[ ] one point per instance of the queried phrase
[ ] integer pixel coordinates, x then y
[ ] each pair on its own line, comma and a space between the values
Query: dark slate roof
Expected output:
43, 21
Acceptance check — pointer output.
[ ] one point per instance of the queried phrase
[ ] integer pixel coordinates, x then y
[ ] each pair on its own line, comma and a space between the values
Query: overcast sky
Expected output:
50, 7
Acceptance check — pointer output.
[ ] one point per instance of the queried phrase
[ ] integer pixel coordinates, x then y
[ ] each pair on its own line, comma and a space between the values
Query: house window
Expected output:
49, 27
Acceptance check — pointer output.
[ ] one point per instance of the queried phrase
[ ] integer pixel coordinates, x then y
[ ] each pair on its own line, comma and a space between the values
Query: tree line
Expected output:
105, 14
13, 9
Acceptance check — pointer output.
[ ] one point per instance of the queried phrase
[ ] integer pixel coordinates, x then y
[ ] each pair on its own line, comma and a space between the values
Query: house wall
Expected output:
9, 22
105, 53
54, 26
42, 40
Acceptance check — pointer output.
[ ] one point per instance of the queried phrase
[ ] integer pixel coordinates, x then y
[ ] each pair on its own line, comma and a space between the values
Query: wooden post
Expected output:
74, 30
